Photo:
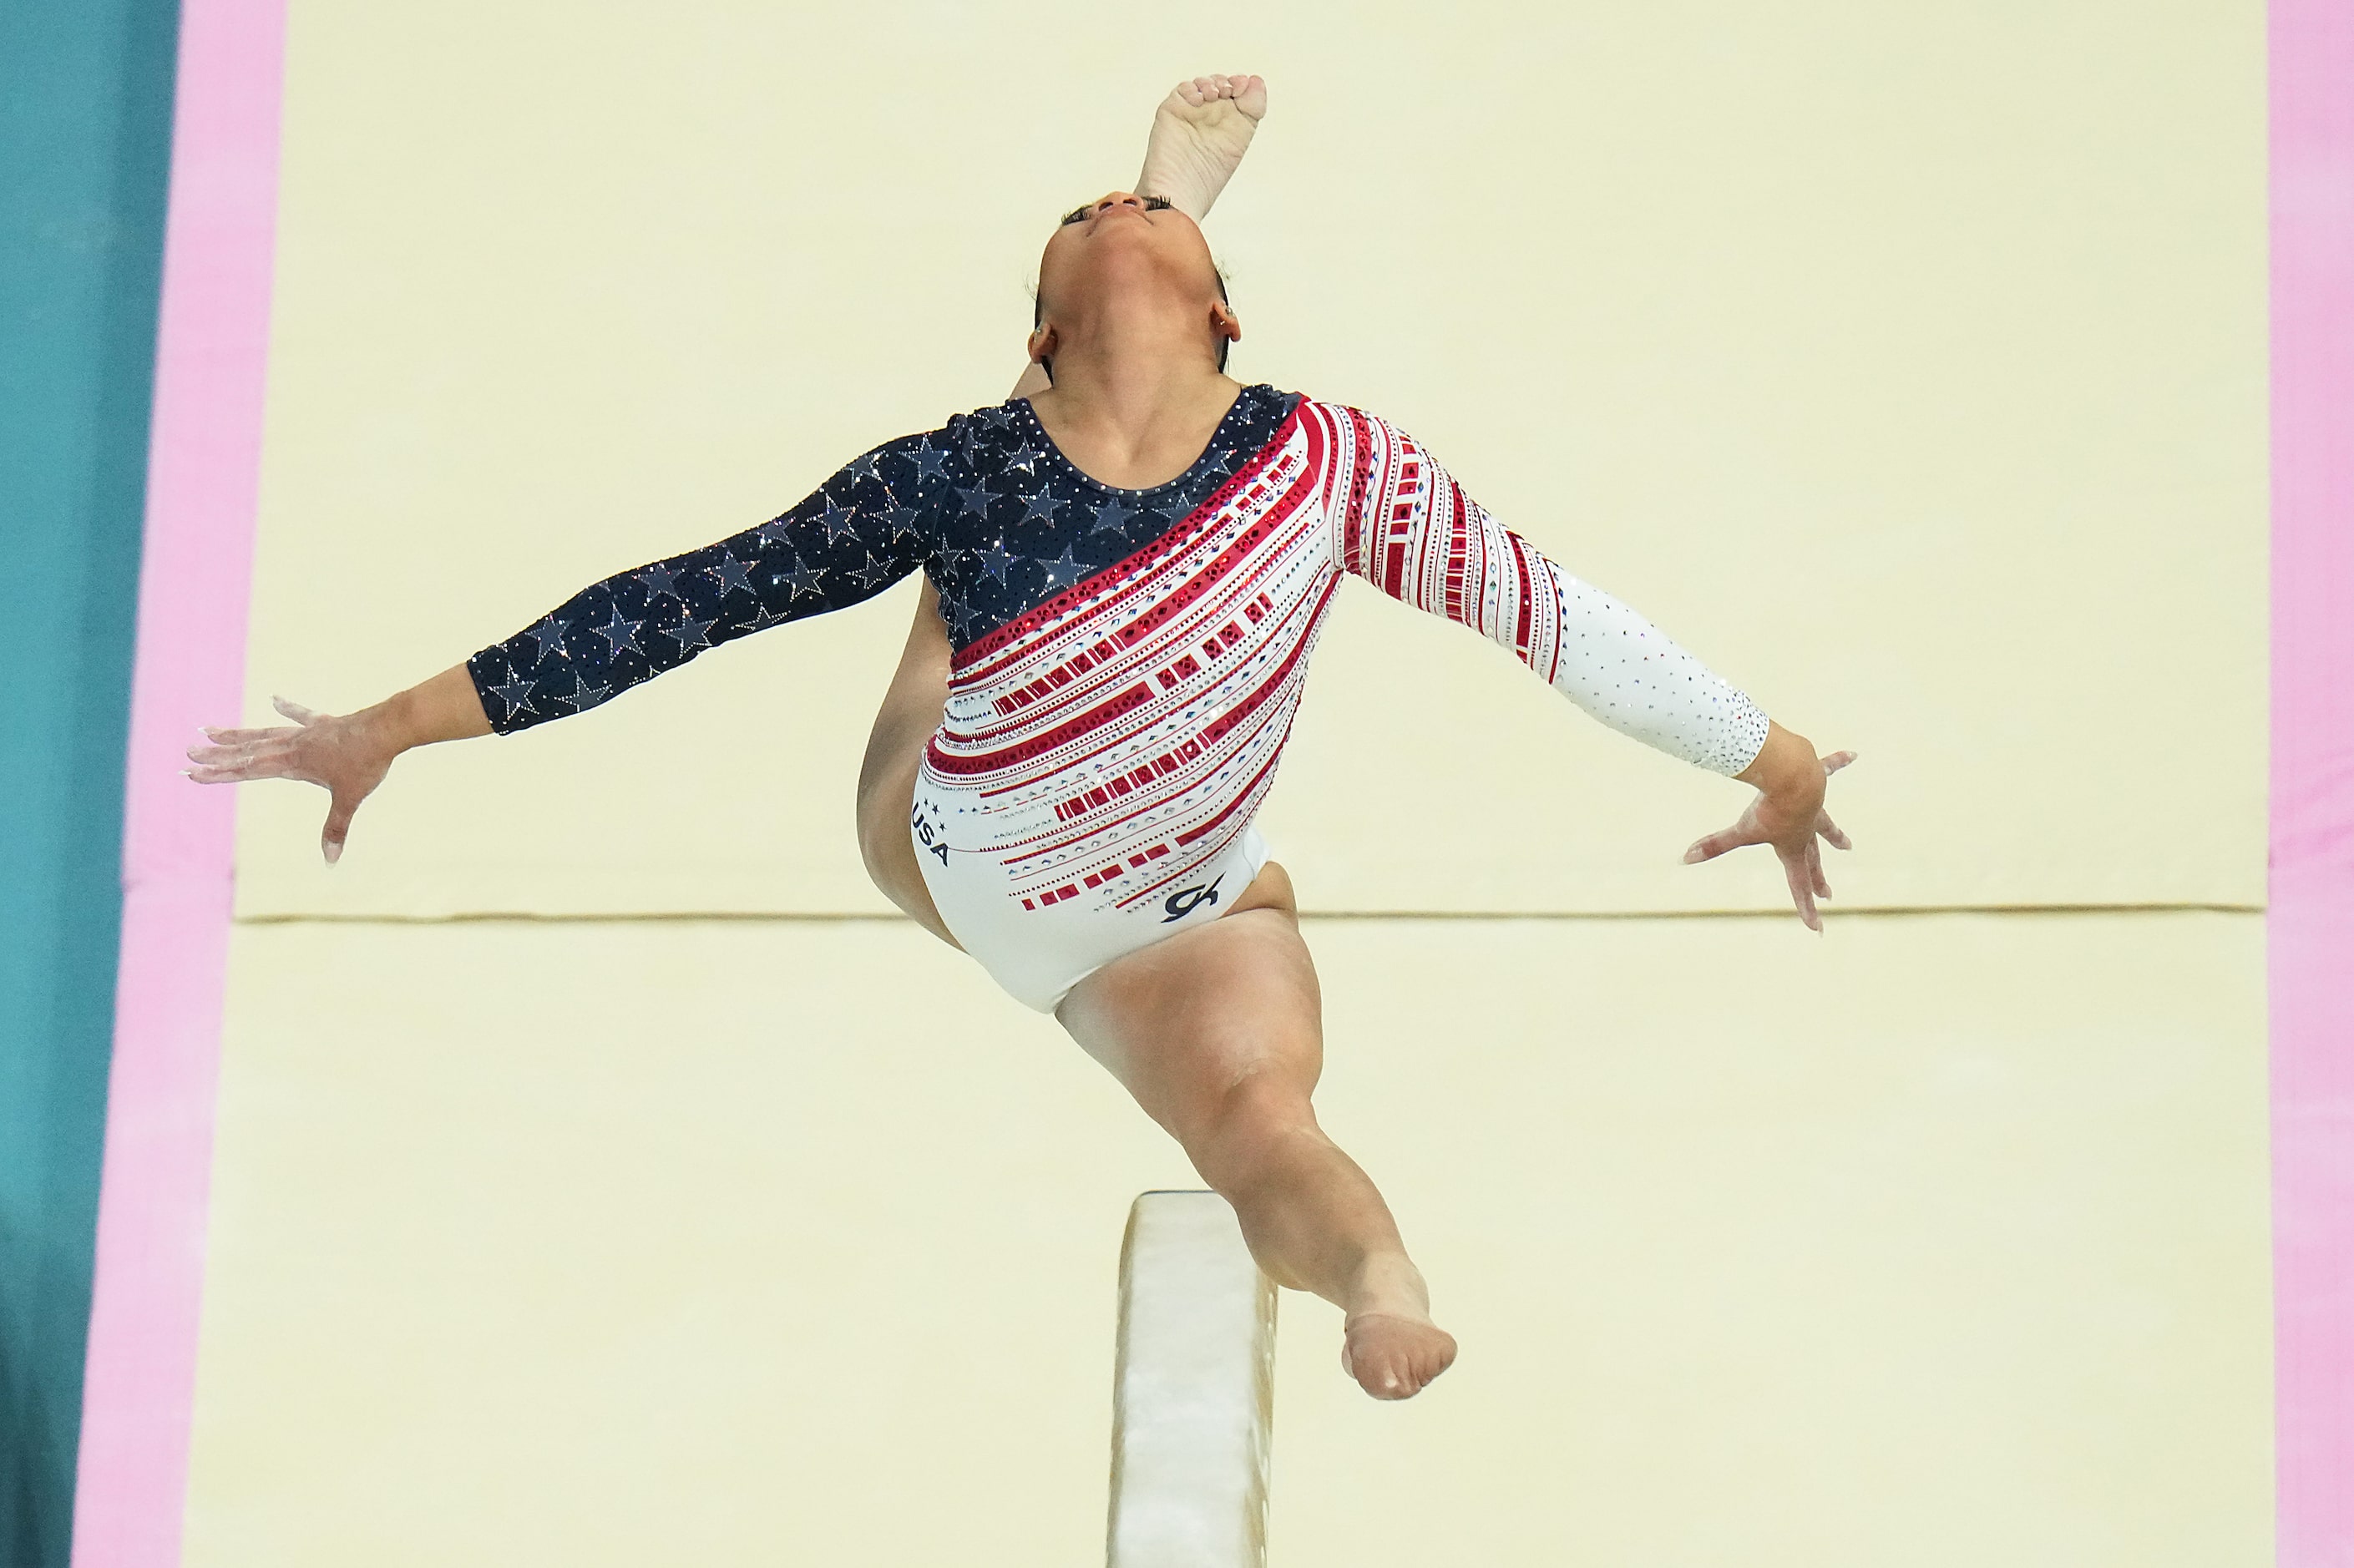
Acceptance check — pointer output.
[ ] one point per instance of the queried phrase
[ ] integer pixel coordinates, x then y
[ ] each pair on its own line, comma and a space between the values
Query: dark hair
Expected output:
1038, 319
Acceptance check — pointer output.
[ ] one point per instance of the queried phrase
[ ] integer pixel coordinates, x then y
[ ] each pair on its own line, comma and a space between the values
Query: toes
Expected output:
1204, 89
1396, 1360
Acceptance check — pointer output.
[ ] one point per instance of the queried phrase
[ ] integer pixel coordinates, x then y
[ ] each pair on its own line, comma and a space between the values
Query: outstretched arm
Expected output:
859, 533
1412, 531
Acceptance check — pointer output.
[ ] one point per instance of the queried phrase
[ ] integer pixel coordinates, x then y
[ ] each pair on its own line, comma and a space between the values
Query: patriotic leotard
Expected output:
1128, 662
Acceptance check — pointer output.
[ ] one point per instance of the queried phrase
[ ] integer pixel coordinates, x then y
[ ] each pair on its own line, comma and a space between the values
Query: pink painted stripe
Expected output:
204, 464
2311, 923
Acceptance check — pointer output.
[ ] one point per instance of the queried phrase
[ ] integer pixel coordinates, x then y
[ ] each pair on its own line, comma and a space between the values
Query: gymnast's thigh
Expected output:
894, 750
1232, 1007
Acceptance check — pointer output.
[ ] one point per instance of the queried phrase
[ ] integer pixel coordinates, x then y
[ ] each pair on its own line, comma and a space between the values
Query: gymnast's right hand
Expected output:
346, 754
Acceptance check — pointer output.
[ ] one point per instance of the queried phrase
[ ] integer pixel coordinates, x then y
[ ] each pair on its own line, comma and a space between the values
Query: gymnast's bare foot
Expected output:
1395, 1356
1390, 1345
1200, 133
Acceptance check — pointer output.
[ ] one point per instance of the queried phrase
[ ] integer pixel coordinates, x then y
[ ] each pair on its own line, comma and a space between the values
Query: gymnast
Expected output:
1127, 563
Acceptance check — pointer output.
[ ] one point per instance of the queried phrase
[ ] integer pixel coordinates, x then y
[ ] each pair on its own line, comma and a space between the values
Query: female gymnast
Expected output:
1125, 568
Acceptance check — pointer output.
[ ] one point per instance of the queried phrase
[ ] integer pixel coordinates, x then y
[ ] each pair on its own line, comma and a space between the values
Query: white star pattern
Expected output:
620, 634
732, 573
516, 694
584, 696
1066, 572
689, 634
548, 633
803, 579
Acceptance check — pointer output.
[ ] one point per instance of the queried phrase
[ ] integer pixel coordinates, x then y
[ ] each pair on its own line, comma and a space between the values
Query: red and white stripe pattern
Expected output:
1105, 753
1117, 737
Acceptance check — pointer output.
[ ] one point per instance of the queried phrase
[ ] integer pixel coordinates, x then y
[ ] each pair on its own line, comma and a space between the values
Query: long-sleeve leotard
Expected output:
1126, 663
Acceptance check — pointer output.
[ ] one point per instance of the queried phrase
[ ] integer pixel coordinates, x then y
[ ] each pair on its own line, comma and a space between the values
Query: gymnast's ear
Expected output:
1043, 341
1223, 322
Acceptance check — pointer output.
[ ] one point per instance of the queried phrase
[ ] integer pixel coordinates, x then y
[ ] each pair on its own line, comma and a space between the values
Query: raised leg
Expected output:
1219, 1035
895, 747
1200, 133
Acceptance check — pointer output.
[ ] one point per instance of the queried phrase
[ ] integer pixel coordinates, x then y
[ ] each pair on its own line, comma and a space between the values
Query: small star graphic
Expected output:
1027, 460
873, 573
930, 464
1045, 503
620, 634
837, 521
1067, 571
764, 617
995, 560
902, 520
658, 579
777, 531
977, 499
516, 694
1001, 415
731, 574
803, 577
1110, 516
867, 466
549, 633
690, 634
584, 696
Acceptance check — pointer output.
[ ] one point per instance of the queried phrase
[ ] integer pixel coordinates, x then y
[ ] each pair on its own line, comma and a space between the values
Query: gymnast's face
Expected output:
1127, 247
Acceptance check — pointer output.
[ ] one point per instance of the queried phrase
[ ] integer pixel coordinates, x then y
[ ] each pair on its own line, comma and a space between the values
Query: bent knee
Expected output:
1258, 1129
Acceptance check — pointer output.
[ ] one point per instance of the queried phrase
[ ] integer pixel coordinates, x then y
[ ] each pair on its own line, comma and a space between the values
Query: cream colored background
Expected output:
1905, 361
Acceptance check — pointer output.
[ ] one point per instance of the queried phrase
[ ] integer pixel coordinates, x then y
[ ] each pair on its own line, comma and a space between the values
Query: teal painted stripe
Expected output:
85, 131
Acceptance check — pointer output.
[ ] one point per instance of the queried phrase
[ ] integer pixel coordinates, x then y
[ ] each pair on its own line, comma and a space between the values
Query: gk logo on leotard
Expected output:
1184, 901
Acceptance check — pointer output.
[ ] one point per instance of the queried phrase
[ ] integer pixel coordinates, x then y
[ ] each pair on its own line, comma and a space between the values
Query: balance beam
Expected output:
1193, 1390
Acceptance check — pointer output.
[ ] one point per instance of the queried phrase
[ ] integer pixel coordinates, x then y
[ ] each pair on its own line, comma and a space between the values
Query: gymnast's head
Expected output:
1126, 273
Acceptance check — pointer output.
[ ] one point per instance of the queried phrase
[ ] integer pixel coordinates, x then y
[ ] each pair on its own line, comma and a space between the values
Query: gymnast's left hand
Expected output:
1788, 814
